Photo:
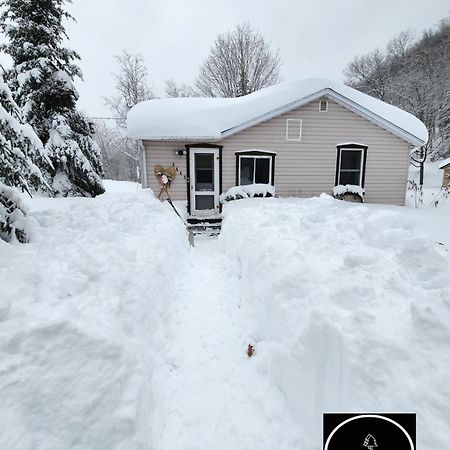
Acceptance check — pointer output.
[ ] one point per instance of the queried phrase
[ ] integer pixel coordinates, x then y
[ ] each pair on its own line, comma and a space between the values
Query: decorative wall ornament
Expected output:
165, 176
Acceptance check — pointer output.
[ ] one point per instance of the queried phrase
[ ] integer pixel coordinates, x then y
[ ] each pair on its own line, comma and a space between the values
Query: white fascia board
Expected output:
182, 138
144, 177
256, 150
272, 114
343, 144
340, 99
389, 126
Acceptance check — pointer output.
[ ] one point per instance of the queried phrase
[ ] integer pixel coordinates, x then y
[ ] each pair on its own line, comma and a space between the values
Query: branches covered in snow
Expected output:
183, 90
42, 80
413, 75
240, 62
131, 86
17, 170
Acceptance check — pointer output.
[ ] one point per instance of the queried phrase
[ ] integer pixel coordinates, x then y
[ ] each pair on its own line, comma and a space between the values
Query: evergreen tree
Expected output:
42, 82
17, 142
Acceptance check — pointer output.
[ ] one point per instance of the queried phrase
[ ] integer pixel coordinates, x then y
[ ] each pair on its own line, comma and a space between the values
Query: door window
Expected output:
204, 172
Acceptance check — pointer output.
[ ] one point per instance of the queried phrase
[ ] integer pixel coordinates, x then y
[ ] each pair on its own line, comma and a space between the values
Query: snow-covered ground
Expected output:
349, 308
115, 334
83, 316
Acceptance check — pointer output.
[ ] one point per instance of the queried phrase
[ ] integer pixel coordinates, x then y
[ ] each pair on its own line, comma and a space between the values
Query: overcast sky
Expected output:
315, 38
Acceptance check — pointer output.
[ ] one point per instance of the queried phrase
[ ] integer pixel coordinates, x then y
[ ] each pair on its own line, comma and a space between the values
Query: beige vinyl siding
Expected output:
163, 154
446, 177
306, 167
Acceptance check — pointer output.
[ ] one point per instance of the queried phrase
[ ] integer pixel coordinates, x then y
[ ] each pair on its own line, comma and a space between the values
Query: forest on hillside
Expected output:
412, 73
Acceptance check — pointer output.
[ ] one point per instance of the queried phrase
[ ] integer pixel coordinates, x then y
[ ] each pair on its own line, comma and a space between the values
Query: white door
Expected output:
204, 181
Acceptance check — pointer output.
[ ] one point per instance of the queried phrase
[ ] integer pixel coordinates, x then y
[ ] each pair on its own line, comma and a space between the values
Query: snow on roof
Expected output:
215, 118
444, 163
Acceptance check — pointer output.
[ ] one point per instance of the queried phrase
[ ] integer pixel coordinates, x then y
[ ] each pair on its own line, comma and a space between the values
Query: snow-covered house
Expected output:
303, 137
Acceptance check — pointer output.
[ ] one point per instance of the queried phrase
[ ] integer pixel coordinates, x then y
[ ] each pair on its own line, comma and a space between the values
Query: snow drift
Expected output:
348, 308
82, 318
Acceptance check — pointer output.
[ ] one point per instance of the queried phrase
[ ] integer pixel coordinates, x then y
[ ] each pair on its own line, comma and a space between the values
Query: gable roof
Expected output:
217, 118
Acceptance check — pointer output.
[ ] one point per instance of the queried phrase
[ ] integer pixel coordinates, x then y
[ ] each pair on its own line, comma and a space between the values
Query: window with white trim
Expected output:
293, 129
255, 168
351, 166
323, 105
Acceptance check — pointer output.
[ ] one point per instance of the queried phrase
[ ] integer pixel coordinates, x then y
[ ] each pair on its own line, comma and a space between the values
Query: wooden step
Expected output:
205, 227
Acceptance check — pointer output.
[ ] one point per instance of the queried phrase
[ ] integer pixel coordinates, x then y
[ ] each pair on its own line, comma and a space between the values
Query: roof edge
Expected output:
342, 100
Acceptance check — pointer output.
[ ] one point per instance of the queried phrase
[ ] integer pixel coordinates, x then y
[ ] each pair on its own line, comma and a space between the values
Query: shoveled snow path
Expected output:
208, 393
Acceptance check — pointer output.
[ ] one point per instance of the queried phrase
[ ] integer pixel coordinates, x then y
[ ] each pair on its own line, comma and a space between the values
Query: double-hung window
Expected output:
254, 167
351, 163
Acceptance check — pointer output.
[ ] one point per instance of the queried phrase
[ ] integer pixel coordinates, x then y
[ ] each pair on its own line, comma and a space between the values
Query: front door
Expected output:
204, 181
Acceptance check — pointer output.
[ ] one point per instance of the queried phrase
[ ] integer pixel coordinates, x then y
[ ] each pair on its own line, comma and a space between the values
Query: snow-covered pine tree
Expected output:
42, 82
17, 172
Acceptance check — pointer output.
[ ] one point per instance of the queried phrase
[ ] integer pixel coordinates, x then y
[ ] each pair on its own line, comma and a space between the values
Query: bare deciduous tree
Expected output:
240, 62
413, 75
183, 90
132, 88
131, 85
370, 73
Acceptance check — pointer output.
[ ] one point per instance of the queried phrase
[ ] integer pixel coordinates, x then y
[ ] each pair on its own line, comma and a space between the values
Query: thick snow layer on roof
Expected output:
201, 118
444, 163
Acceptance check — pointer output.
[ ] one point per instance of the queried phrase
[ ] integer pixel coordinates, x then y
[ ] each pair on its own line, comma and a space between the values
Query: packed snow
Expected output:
115, 333
210, 118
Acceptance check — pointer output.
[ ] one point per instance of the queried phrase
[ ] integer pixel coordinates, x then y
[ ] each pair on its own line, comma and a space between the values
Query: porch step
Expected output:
205, 227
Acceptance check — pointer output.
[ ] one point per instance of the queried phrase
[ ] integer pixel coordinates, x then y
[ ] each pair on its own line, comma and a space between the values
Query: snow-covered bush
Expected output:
247, 191
341, 191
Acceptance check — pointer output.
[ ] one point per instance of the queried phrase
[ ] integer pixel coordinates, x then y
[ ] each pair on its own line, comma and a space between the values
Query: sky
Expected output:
314, 38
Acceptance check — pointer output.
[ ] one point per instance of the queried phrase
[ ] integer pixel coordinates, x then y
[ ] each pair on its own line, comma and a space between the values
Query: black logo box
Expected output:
369, 431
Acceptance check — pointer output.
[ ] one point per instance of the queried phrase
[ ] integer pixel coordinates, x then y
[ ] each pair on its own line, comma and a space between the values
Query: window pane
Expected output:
204, 202
247, 168
204, 160
204, 172
351, 159
262, 174
350, 177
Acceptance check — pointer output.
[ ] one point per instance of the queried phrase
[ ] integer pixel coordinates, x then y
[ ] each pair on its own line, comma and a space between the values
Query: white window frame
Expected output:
342, 149
300, 122
269, 157
320, 103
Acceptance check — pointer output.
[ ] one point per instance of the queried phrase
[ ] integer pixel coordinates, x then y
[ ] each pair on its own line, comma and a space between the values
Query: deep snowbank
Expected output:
350, 312
83, 311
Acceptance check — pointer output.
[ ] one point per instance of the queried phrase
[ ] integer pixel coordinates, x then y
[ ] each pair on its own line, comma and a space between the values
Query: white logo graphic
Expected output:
370, 442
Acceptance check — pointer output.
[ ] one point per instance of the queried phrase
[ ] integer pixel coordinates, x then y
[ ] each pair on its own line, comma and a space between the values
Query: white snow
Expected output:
83, 313
348, 188
444, 162
209, 118
248, 190
347, 306
115, 334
